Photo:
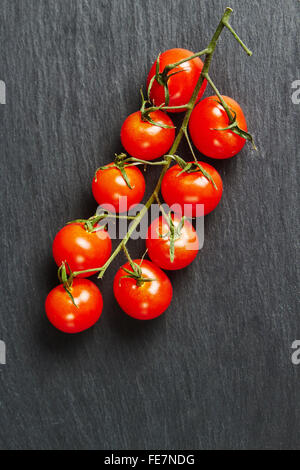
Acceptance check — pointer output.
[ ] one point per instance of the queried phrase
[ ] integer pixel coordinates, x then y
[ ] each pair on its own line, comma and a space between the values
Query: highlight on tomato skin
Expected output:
186, 246
181, 85
189, 190
110, 188
210, 115
144, 140
67, 317
80, 249
147, 301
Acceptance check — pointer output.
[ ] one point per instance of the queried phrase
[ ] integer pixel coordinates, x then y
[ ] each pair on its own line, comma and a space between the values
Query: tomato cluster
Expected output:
82, 248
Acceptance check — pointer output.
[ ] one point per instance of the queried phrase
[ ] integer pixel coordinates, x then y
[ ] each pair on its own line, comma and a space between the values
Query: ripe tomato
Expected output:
67, 317
186, 246
181, 85
81, 249
192, 189
110, 188
144, 140
208, 115
147, 301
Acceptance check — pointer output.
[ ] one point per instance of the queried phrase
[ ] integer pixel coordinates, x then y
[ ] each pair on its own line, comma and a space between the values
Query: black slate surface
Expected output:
215, 371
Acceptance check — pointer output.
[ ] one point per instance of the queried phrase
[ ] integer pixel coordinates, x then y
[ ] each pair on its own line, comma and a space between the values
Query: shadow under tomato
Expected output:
128, 328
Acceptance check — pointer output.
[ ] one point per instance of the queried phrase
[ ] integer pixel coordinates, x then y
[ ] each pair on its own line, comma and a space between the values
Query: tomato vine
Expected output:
208, 52
151, 115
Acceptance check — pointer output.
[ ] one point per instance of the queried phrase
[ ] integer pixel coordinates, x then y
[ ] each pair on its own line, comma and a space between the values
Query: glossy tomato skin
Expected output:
144, 140
181, 85
209, 115
81, 249
147, 301
158, 244
110, 188
192, 189
63, 314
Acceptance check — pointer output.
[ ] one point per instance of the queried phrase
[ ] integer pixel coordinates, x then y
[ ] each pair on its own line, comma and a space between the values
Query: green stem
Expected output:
190, 145
170, 67
232, 119
229, 27
170, 108
138, 161
166, 108
127, 254
123, 243
182, 132
224, 104
115, 216
165, 215
77, 273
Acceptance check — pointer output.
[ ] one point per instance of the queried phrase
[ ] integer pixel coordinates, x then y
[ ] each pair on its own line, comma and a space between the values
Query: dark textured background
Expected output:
215, 371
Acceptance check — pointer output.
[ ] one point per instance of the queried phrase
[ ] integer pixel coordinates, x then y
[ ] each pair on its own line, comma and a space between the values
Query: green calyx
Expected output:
136, 274
145, 112
119, 163
233, 126
91, 224
173, 234
122, 161
193, 167
162, 78
66, 280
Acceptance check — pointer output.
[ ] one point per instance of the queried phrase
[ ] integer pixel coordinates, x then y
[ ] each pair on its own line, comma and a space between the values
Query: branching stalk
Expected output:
182, 131
208, 52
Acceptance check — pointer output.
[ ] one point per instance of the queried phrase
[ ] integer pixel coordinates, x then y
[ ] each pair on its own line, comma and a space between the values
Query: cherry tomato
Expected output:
67, 317
144, 140
81, 249
186, 246
147, 301
181, 85
192, 189
110, 188
208, 115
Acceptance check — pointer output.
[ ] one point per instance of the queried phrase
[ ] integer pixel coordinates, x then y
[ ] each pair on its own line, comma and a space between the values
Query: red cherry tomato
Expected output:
181, 85
67, 317
208, 115
81, 249
186, 246
110, 188
192, 189
144, 140
147, 301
